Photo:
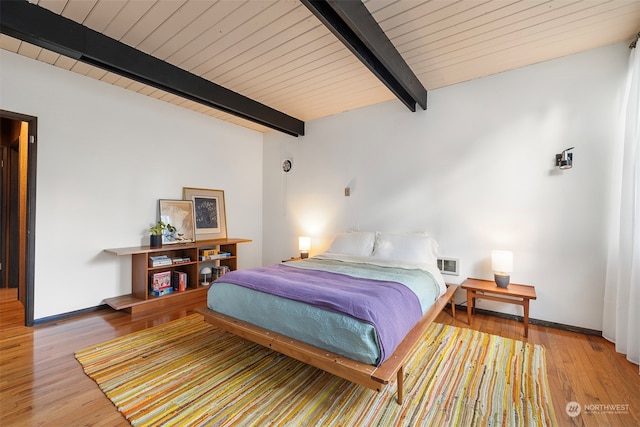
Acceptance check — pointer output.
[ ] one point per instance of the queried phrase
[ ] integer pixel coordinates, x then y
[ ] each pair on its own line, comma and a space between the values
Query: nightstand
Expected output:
292, 259
487, 289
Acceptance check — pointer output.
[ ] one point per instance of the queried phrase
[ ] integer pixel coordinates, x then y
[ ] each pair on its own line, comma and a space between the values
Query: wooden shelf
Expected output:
141, 300
199, 244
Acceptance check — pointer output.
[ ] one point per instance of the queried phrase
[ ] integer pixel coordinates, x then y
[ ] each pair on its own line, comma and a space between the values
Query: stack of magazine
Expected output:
160, 260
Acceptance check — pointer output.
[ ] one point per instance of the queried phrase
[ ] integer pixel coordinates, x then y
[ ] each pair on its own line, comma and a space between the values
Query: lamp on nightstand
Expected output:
304, 244
206, 272
502, 265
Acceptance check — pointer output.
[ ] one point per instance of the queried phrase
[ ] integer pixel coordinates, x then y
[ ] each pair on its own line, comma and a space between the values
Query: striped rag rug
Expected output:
188, 373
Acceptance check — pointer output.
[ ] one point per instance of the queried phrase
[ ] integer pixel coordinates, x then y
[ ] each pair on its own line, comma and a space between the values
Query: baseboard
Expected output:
63, 316
585, 331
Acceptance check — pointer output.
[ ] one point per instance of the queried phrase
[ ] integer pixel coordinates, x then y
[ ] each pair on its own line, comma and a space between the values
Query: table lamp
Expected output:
304, 244
502, 265
205, 271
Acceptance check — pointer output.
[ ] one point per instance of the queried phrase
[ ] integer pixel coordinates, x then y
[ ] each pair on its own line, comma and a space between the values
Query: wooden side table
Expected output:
487, 289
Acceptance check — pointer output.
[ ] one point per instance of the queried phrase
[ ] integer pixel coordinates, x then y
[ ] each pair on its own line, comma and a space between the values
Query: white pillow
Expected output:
359, 243
414, 248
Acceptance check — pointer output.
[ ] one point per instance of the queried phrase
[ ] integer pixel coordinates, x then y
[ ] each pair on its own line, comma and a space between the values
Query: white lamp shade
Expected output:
205, 270
502, 261
304, 243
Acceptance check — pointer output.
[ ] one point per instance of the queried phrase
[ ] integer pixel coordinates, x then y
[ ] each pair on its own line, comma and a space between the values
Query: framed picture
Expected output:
208, 212
179, 214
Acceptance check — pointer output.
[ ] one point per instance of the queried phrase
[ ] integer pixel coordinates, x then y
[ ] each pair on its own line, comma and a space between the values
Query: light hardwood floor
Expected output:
41, 383
11, 310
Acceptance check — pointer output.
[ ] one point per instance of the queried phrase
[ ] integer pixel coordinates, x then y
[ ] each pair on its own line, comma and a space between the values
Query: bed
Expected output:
355, 311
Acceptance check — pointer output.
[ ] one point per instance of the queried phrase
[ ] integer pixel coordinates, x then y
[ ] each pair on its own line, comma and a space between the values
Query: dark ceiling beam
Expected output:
43, 28
351, 22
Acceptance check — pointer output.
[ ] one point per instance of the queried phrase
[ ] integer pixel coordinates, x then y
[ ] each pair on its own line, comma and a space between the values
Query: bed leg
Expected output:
400, 375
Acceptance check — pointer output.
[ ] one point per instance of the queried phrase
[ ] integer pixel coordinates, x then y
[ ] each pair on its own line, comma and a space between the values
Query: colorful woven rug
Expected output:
188, 373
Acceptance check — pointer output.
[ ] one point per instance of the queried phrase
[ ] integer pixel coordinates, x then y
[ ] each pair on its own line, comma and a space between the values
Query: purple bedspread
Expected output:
392, 308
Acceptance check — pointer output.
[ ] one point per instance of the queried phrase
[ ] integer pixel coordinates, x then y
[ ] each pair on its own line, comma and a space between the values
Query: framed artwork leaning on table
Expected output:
209, 212
178, 214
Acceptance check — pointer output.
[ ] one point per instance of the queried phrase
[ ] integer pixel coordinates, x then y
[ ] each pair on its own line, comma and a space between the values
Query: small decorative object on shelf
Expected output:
157, 231
206, 272
155, 240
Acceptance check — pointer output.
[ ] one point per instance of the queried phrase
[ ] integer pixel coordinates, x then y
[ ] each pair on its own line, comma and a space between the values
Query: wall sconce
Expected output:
304, 244
206, 272
502, 265
564, 160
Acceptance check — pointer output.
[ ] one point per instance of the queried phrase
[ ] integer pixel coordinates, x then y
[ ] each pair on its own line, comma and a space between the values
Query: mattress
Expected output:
329, 329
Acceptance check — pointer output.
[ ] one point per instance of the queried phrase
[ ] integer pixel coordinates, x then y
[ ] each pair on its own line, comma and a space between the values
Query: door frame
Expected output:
29, 255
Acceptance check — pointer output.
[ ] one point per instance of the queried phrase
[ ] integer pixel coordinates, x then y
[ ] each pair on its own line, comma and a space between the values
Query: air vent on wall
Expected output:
449, 266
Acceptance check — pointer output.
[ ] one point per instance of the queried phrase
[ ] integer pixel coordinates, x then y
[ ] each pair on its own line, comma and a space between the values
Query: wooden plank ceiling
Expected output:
279, 54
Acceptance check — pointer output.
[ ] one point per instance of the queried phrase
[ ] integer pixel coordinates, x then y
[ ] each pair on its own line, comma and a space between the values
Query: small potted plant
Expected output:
155, 239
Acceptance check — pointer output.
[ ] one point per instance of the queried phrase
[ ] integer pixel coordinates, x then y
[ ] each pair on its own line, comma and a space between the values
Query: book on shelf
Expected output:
180, 259
220, 270
161, 280
159, 260
220, 255
179, 281
161, 292
208, 252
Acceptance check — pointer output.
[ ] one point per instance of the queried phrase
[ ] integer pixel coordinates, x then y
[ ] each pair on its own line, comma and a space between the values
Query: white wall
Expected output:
105, 157
476, 170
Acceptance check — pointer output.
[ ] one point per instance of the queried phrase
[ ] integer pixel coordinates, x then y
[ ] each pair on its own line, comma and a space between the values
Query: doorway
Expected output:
17, 217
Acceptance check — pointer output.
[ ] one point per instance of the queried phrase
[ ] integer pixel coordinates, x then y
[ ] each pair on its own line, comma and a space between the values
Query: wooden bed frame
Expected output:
360, 373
